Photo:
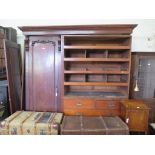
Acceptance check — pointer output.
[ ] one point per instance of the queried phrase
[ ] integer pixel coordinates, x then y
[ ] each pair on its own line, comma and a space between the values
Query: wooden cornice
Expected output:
78, 29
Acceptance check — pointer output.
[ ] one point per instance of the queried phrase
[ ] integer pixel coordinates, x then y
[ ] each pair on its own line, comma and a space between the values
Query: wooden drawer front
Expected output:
106, 104
78, 104
89, 112
137, 120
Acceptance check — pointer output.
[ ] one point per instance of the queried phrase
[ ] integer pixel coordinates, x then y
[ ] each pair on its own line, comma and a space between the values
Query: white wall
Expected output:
143, 35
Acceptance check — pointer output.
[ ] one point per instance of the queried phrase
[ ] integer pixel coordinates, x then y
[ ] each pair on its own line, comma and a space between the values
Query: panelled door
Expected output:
13, 61
42, 74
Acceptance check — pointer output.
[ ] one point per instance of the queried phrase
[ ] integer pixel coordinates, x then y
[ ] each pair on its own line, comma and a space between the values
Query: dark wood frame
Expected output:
73, 30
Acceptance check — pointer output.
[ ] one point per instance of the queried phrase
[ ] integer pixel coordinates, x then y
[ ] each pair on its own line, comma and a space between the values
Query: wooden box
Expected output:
135, 113
115, 126
84, 125
31, 123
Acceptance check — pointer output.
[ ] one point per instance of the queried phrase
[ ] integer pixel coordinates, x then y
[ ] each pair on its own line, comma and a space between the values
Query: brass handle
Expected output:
127, 120
79, 104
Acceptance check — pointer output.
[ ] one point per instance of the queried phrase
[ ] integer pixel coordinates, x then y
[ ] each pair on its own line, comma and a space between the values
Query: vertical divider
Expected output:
106, 78
106, 53
86, 76
106, 56
85, 53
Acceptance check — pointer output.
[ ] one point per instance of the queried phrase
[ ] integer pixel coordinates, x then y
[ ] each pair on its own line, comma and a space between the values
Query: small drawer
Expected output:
111, 112
107, 104
82, 112
78, 103
75, 112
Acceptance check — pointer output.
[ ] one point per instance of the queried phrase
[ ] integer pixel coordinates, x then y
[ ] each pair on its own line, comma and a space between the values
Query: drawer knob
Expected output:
78, 104
138, 107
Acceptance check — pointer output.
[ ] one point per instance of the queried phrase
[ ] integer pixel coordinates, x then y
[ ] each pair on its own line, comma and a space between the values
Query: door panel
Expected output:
41, 73
133, 119
13, 67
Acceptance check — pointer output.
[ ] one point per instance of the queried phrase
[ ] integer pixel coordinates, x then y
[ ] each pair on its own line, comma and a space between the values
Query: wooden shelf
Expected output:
95, 72
95, 94
97, 47
95, 84
98, 59
97, 63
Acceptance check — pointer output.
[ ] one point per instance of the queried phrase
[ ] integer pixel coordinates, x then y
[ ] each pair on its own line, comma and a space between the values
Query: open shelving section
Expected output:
97, 65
